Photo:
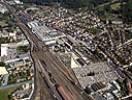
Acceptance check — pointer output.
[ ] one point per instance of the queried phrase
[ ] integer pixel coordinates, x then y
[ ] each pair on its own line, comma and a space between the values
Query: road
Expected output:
15, 85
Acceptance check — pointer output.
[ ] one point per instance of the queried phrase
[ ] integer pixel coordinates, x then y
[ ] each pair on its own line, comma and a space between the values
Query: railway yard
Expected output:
75, 55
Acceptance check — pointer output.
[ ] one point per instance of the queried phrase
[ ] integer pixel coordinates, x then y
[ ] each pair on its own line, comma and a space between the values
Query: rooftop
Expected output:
43, 32
3, 70
101, 72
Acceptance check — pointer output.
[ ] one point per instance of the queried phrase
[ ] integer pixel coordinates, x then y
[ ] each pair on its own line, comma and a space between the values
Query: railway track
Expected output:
58, 71
64, 88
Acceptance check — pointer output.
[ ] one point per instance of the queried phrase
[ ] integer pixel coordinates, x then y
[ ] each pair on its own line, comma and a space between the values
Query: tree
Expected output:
2, 64
22, 48
127, 11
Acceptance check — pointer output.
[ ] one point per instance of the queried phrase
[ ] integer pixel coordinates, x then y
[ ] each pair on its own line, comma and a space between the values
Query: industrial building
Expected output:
46, 34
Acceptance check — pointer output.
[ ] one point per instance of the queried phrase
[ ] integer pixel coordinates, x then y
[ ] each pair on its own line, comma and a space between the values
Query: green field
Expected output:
116, 6
3, 23
5, 92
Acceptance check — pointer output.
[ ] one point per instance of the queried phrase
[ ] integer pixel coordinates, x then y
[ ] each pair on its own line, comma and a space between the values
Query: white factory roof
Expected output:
24, 42
3, 9
3, 71
130, 64
4, 49
15, 60
50, 42
18, 2
33, 24
46, 34
74, 64
117, 85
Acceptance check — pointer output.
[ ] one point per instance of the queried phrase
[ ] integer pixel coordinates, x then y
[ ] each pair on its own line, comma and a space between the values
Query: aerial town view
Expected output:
65, 49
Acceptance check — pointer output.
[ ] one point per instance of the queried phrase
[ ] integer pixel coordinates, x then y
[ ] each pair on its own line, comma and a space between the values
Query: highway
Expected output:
52, 79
